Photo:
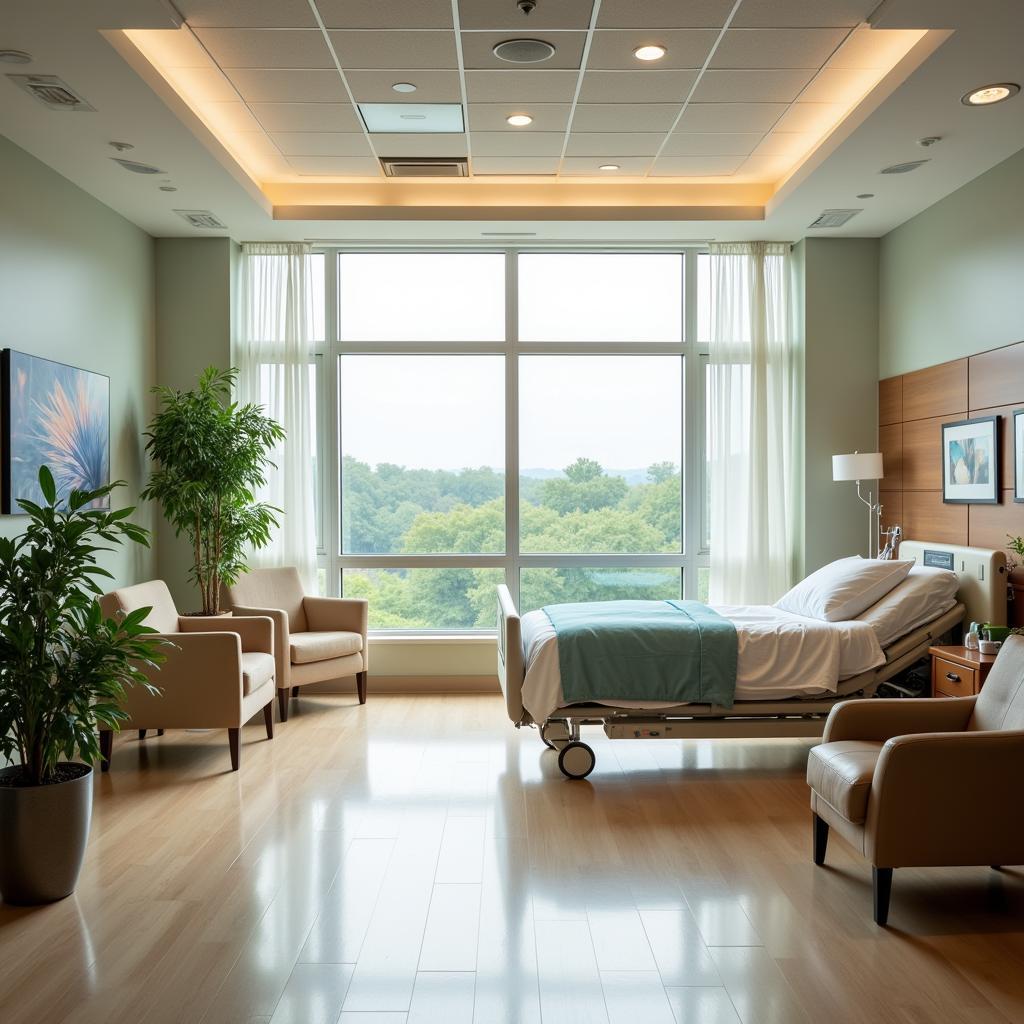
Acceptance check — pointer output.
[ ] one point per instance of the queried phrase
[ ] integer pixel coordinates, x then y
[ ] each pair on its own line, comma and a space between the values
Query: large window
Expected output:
528, 417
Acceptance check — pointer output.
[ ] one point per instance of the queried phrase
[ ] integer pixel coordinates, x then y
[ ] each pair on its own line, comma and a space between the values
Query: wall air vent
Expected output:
833, 218
51, 92
424, 167
202, 219
135, 167
910, 165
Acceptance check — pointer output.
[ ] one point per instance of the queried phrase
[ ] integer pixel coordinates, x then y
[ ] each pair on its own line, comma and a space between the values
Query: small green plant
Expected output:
63, 667
212, 456
1016, 545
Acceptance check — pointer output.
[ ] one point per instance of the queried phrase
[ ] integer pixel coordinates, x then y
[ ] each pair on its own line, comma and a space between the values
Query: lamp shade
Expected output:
858, 466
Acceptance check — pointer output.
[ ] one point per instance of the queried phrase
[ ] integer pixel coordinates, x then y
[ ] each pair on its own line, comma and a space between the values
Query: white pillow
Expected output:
842, 590
924, 595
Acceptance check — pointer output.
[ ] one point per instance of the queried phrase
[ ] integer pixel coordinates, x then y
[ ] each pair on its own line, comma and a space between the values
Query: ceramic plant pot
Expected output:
44, 832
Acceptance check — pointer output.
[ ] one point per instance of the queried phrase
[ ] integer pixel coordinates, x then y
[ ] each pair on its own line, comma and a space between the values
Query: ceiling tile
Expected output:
266, 47
646, 86
395, 49
210, 83
521, 86
839, 85
696, 166
609, 144
763, 86
234, 116
336, 166
664, 13
765, 168
321, 143
490, 117
590, 166
810, 117
802, 13
477, 51
515, 164
515, 144
785, 144
420, 145
394, 14
711, 143
431, 86
612, 50
257, 153
289, 86
624, 117
730, 117
307, 117
505, 16
247, 13
776, 47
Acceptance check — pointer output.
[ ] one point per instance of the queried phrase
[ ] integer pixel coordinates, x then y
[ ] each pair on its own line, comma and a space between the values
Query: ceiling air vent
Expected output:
135, 167
910, 165
833, 218
424, 167
51, 92
201, 219
524, 51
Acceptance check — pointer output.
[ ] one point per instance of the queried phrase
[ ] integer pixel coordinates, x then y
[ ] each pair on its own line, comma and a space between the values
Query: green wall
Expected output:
952, 278
76, 285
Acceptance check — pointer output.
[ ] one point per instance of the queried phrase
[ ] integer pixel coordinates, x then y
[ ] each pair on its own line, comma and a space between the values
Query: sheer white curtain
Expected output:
755, 414
273, 351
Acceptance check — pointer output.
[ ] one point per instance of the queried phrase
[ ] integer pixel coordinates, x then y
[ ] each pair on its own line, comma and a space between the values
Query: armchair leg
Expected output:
820, 839
881, 882
268, 718
234, 738
282, 704
106, 748
159, 732
361, 686
295, 691
142, 734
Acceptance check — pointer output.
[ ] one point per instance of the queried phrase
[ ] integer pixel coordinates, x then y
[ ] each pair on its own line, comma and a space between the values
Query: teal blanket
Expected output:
645, 650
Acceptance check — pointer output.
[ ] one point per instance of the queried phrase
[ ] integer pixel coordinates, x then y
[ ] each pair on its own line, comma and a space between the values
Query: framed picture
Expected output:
53, 415
970, 461
1018, 455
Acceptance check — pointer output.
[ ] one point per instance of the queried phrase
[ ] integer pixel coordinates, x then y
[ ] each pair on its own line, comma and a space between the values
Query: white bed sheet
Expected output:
780, 655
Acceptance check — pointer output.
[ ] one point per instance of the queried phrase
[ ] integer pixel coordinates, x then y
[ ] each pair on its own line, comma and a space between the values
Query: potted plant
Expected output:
63, 672
212, 456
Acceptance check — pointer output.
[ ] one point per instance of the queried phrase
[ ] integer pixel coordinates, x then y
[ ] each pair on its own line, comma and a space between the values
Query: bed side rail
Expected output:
510, 656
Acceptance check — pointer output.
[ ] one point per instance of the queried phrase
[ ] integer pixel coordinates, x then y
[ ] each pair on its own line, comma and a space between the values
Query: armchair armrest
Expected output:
282, 647
343, 613
881, 719
256, 632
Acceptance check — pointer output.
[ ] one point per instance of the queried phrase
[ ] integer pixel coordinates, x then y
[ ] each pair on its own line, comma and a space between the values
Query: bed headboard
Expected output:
982, 573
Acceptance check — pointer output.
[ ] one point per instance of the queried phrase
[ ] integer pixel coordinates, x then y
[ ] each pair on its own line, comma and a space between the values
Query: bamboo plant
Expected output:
211, 457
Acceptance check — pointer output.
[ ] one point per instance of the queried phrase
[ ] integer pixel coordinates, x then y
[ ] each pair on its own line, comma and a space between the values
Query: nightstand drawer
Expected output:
952, 680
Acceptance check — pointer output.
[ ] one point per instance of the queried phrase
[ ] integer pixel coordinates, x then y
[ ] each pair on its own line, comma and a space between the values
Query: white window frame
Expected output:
693, 555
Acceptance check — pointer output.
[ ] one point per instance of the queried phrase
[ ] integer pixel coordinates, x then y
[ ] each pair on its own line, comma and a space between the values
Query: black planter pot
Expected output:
43, 834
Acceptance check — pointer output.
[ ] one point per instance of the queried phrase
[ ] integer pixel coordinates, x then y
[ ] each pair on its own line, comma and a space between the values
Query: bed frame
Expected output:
981, 598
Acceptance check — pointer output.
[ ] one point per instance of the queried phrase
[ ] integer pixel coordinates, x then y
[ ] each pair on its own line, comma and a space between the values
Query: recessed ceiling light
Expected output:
608, 167
15, 57
653, 51
989, 94
519, 120
404, 87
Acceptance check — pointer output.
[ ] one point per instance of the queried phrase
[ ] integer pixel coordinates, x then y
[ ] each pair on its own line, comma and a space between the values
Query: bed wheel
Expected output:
576, 760
554, 735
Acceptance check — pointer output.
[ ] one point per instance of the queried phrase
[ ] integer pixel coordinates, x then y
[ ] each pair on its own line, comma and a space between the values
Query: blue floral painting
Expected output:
55, 415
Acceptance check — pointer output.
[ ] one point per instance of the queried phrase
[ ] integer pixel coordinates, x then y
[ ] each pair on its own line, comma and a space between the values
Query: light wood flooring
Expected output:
419, 860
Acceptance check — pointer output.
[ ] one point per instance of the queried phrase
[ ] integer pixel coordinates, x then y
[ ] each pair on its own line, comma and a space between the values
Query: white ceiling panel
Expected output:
624, 117
505, 16
515, 164
509, 144
490, 117
647, 86
307, 117
664, 13
745, 86
247, 13
589, 166
711, 143
783, 144
266, 47
762, 167
431, 86
837, 85
809, 117
321, 143
233, 116
478, 47
777, 47
436, 144
696, 166
395, 49
528, 85
612, 50
802, 13
730, 117
259, 86
610, 144
336, 166
210, 83
395, 14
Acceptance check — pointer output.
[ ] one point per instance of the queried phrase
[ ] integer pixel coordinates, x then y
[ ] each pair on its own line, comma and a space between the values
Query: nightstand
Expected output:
959, 672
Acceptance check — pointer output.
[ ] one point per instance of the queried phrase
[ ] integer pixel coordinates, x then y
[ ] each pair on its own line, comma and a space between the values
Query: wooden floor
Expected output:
419, 860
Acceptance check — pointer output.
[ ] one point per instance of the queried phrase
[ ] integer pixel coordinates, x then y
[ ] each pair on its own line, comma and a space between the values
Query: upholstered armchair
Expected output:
925, 783
315, 638
218, 673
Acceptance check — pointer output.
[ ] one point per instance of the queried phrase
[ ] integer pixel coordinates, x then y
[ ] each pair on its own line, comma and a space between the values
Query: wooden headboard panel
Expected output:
982, 573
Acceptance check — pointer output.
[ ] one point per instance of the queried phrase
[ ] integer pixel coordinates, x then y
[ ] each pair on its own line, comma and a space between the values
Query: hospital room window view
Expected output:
511, 512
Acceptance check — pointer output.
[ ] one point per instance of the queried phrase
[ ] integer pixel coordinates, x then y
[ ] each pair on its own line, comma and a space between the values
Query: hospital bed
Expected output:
768, 707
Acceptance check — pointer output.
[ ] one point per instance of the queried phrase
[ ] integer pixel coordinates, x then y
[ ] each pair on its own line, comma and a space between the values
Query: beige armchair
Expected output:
218, 674
925, 783
315, 638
